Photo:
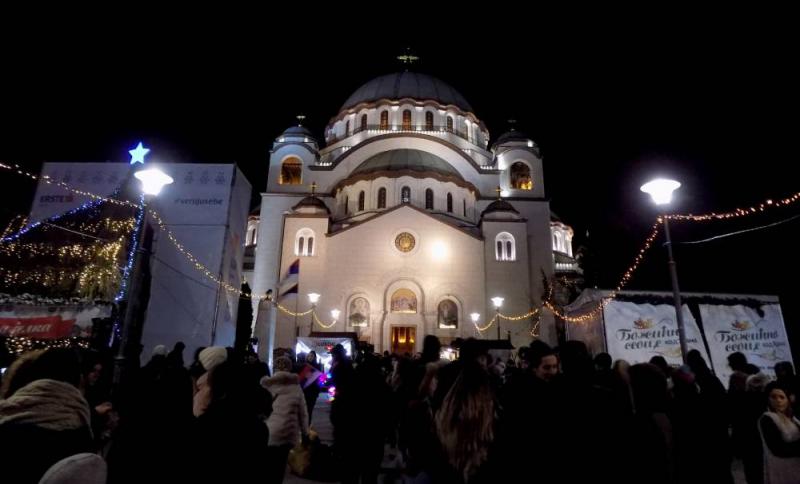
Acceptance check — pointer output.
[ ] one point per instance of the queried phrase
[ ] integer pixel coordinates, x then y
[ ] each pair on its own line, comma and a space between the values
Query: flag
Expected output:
288, 284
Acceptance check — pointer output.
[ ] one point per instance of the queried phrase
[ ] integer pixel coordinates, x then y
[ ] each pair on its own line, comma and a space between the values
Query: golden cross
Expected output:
499, 192
300, 119
313, 188
408, 57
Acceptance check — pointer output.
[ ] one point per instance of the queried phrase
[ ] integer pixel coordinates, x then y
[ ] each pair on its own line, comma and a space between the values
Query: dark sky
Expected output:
713, 103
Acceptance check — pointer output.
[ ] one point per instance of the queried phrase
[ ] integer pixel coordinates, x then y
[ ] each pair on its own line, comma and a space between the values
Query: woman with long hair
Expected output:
780, 434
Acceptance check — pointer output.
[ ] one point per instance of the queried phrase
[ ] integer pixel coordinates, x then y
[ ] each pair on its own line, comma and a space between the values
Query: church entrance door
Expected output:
403, 339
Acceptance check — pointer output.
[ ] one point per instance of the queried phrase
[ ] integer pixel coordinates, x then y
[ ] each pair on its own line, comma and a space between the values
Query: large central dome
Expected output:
407, 85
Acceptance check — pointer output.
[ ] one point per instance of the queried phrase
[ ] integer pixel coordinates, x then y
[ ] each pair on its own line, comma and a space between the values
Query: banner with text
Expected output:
762, 338
638, 332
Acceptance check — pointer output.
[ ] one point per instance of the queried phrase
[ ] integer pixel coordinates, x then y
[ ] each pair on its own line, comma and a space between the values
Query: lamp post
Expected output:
661, 191
497, 301
475, 317
152, 181
313, 298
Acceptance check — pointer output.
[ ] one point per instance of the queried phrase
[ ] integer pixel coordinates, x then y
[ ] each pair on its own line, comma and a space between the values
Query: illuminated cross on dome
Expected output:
138, 154
313, 188
300, 119
499, 192
408, 57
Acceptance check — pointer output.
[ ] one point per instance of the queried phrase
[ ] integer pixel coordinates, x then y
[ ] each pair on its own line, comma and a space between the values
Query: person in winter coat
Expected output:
230, 436
43, 416
780, 434
289, 419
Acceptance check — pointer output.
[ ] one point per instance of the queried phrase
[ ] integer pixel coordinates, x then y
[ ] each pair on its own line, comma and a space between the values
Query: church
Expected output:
408, 222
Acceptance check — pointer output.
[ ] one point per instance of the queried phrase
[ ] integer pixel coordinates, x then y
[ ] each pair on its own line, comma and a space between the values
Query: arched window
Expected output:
450, 124
361, 198
304, 243
447, 314
381, 197
558, 243
346, 205
363, 122
429, 121
449, 203
521, 176
405, 195
555, 241
465, 206
291, 171
404, 301
347, 128
429, 199
406, 119
384, 119
505, 249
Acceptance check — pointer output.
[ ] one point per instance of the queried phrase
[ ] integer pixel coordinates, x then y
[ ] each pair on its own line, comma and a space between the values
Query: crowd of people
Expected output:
547, 415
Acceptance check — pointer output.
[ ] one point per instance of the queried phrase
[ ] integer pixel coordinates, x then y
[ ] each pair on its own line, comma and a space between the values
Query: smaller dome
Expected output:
298, 130
512, 136
499, 206
406, 160
311, 204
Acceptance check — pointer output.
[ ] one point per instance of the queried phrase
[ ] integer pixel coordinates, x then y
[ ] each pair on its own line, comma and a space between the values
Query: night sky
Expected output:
714, 105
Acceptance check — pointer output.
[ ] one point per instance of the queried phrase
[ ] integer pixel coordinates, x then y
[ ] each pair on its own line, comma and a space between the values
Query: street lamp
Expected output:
153, 180
335, 314
475, 317
313, 298
661, 191
497, 301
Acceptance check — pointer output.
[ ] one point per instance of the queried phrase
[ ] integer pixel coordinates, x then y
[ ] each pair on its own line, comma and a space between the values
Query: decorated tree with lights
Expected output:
77, 254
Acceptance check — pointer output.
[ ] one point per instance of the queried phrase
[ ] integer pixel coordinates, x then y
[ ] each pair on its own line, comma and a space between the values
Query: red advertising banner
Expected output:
50, 327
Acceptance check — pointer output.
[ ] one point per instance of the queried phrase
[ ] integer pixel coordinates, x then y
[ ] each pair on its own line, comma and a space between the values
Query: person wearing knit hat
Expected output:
213, 356
160, 350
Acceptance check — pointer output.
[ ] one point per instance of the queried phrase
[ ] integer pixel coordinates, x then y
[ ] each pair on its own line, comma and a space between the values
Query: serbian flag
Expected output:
308, 375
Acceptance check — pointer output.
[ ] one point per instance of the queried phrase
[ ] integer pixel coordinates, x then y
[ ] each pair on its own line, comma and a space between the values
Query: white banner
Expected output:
200, 193
78, 317
739, 328
638, 332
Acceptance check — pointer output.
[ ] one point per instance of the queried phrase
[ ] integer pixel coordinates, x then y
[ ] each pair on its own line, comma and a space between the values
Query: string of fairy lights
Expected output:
15, 168
21, 344
129, 224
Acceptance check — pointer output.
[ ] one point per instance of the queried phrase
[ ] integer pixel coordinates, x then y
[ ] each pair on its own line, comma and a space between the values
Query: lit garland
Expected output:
11, 224
739, 212
591, 315
292, 313
134, 243
45, 178
21, 344
326, 326
197, 264
25, 230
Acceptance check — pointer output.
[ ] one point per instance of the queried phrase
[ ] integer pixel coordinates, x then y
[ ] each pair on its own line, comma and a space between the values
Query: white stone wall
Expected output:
461, 123
445, 262
394, 187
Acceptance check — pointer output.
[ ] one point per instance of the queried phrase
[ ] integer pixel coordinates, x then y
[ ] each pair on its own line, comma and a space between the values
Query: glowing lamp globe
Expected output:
153, 180
661, 190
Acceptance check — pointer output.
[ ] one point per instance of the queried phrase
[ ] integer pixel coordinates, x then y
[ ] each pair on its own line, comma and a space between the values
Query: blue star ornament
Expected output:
138, 154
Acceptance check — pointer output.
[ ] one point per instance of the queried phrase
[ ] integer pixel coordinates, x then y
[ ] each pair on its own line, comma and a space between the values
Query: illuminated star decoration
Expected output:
138, 154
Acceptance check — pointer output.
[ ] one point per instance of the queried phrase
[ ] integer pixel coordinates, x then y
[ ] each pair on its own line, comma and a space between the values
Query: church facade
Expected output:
406, 223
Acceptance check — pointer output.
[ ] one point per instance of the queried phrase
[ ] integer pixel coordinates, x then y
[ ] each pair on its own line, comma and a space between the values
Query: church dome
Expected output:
298, 130
499, 206
407, 85
311, 204
512, 136
406, 160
